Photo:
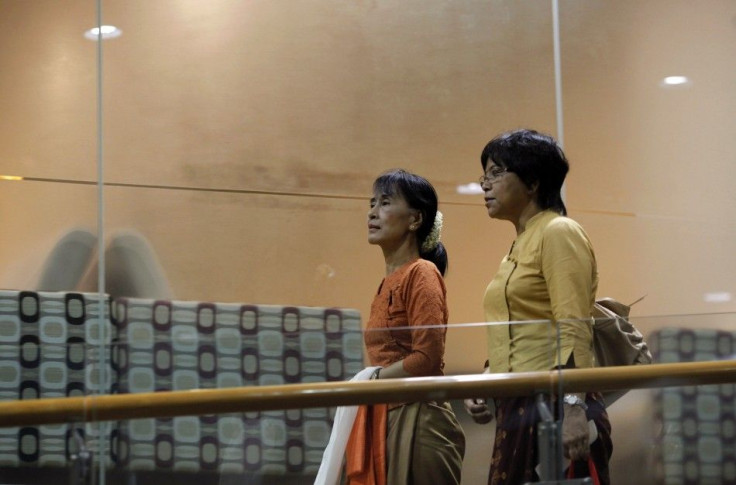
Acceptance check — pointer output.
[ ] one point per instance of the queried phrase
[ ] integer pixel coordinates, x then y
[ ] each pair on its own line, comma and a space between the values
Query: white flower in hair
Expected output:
434, 236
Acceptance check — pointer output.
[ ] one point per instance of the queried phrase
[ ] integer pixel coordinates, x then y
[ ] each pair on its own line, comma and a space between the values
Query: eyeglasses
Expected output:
494, 174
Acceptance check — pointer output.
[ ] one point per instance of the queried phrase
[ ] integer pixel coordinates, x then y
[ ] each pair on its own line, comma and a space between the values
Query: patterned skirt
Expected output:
514, 460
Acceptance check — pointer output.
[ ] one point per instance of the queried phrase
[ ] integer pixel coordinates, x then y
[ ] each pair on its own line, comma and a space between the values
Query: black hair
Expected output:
419, 195
535, 158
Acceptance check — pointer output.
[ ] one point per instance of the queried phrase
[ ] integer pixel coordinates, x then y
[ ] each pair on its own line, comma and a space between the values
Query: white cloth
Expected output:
331, 466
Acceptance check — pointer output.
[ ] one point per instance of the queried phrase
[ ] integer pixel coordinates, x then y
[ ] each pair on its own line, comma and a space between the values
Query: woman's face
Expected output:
390, 220
505, 194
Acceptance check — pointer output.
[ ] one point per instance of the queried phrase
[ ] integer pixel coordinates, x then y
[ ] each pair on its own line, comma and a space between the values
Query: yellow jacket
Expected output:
547, 282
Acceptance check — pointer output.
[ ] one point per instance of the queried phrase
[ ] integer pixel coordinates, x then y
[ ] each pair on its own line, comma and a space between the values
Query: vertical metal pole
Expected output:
558, 72
558, 78
547, 443
102, 438
556, 433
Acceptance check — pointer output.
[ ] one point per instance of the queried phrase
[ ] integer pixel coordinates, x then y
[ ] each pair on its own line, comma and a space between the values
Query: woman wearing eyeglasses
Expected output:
549, 274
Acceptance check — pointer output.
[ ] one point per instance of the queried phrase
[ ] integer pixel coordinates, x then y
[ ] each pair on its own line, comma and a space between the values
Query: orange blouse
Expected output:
409, 299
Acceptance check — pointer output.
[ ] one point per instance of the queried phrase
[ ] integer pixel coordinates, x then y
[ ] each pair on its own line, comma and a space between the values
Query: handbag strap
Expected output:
591, 469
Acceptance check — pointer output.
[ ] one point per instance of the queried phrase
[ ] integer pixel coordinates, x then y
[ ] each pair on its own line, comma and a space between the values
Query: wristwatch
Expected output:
574, 400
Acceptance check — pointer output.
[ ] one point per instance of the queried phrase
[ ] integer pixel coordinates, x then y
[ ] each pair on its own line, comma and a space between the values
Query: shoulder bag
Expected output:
616, 342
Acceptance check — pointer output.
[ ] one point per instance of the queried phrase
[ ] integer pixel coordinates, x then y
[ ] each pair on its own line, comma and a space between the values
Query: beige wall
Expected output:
281, 113
240, 140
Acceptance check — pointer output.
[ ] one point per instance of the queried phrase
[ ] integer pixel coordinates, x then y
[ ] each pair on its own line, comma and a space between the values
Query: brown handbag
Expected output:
616, 341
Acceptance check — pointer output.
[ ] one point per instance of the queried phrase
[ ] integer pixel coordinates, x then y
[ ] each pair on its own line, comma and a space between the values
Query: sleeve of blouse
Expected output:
568, 264
426, 305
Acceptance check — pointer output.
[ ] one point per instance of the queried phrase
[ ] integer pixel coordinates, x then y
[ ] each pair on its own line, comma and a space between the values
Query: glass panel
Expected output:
684, 433
55, 335
630, 138
174, 346
255, 147
659, 227
243, 138
670, 433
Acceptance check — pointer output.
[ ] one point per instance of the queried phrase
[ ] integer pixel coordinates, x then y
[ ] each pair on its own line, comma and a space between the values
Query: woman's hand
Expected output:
479, 410
575, 439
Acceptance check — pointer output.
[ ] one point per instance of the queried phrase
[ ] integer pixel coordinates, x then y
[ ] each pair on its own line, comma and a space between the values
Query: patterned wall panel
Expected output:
695, 441
52, 345
176, 345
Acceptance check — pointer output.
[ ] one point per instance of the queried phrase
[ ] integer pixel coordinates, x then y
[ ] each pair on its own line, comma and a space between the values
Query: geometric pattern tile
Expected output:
52, 344
696, 438
177, 345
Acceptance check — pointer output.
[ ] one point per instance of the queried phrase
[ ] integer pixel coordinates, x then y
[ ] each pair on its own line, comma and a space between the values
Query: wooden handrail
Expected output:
328, 394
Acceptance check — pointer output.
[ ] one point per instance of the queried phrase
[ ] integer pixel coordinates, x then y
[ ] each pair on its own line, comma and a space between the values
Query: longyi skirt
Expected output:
424, 445
515, 451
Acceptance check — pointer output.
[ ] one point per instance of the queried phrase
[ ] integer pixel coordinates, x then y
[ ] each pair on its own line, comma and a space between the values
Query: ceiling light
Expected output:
717, 297
472, 188
10, 177
104, 31
675, 81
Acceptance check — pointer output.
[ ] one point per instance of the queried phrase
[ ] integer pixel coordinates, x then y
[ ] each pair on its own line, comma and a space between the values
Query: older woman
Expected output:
422, 442
549, 274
